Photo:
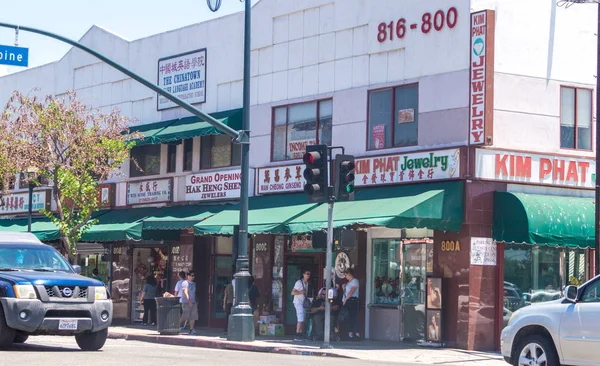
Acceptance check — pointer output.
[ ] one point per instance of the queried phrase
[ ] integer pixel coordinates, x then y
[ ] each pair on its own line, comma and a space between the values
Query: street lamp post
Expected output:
31, 173
241, 326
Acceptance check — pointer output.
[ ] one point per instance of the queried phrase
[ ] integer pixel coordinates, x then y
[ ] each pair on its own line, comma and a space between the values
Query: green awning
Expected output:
266, 215
181, 217
433, 206
116, 225
184, 128
41, 227
544, 220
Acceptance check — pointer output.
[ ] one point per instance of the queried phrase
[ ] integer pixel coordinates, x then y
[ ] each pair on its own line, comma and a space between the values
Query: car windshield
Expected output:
35, 258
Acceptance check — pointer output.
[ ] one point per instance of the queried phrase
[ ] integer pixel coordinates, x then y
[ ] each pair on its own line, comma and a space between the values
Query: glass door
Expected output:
413, 283
222, 276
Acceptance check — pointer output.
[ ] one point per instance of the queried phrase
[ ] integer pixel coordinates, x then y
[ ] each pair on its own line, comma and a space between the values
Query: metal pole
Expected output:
239, 136
329, 257
597, 190
30, 209
242, 324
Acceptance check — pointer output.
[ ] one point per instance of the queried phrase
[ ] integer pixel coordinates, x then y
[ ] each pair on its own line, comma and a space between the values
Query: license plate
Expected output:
67, 324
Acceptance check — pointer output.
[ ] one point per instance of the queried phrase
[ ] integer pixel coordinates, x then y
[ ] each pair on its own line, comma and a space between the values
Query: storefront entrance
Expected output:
413, 283
151, 261
295, 265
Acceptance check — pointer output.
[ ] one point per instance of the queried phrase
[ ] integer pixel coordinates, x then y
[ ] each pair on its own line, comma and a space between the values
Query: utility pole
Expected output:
596, 183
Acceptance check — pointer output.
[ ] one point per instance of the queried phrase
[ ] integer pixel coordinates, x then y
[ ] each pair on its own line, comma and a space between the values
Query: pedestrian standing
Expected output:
352, 304
227, 304
149, 292
300, 292
178, 292
190, 307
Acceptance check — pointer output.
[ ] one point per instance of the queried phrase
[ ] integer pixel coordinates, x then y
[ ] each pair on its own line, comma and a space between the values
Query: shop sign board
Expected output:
297, 148
224, 184
521, 167
280, 179
149, 191
18, 203
483, 251
407, 168
481, 74
184, 76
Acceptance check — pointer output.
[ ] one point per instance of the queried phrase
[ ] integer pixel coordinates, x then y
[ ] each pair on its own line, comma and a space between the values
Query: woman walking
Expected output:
351, 302
149, 292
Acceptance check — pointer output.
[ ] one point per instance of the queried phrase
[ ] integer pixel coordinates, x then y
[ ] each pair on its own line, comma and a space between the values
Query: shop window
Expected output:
386, 271
147, 158
218, 151
538, 274
223, 245
298, 125
188, 152
171, 158
575, 118
393, 117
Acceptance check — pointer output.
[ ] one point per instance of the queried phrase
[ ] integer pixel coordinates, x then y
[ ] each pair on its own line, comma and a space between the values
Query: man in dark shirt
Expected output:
317, 311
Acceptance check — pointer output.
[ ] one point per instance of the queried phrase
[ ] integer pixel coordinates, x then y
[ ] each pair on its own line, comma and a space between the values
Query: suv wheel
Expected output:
92, 341
20, 338
535, 350
7, 334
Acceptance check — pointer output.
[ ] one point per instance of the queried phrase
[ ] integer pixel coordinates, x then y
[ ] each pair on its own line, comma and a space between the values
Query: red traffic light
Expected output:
311, 157
349, 165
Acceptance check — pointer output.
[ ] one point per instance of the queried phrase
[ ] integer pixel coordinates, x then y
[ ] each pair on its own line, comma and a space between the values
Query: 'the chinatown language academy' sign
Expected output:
214, 185
149, 191
280, 179
17, 203
481, 97
184, 76
407, 168
534, 168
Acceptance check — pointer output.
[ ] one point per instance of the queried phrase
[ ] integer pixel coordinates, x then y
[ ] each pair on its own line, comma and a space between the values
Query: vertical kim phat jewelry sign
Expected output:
184, 76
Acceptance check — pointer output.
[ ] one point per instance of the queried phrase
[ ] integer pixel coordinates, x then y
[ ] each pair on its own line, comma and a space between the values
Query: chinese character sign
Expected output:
149, 191
280, 179
183, 76
19, 203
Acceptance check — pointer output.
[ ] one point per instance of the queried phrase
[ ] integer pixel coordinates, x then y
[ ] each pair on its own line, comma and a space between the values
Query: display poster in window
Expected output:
406, 115
379, 136
297, 148
184, 76
225, 184
182, 257
483, 252
434, 293
281, 179
19, 202
149, 191
434, 325
301, 242
407, 168
429, 247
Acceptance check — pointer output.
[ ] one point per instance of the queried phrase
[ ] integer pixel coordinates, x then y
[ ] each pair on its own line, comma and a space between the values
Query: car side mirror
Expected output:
571, 293
77, 268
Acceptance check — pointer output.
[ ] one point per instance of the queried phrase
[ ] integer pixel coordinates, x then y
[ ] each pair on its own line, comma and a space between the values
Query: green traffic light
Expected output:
350, 188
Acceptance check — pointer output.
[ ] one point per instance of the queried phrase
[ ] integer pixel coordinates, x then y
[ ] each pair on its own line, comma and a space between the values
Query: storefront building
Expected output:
473, 168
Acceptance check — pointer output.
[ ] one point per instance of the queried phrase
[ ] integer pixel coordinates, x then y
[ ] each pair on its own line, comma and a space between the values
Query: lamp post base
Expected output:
241, 328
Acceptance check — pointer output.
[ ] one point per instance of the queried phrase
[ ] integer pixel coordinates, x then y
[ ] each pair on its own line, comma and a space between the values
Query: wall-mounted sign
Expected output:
280, 179
149, 191
297, 148
225, 184
18, 203
184, 76
407, 168
260, 247
450, 246
301, 242
534, 168
482, 76
483, 251
342, 263
14, 56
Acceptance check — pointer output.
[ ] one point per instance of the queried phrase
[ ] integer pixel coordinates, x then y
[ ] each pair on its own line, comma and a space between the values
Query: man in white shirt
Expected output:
179, 292
300, 291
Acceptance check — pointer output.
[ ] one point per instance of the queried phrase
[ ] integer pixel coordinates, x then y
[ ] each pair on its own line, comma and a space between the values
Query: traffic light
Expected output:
344, 184
315, 173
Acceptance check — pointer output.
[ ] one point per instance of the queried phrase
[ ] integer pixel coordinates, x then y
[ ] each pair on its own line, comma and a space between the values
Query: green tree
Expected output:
70, 145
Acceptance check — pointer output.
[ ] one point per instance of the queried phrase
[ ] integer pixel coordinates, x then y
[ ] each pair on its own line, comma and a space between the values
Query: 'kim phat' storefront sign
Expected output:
149, 191
18, 203
224, 184
184, 76
534, 168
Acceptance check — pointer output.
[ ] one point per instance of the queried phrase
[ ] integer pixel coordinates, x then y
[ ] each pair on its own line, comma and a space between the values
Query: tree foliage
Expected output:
72, 146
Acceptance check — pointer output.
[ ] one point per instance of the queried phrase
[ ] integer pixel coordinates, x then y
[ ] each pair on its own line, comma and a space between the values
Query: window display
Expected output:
386, 271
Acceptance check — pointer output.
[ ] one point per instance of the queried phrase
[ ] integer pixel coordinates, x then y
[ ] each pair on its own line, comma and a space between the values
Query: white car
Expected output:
560, 332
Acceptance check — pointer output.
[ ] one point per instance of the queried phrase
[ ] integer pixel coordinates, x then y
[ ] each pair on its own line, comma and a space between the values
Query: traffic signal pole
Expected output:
329, 258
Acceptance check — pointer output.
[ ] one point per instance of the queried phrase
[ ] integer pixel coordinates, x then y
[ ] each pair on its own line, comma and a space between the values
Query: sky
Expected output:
130, 19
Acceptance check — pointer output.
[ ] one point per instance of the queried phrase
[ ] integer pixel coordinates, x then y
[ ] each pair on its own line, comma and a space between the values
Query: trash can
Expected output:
167, 315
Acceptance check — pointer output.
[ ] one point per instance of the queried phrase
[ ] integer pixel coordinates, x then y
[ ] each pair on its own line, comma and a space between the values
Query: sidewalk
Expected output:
365, 350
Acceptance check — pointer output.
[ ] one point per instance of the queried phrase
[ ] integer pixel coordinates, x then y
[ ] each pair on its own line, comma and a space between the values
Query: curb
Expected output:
224, 345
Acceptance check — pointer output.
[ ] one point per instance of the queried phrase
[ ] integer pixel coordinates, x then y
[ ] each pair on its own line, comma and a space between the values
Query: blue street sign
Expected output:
14, 56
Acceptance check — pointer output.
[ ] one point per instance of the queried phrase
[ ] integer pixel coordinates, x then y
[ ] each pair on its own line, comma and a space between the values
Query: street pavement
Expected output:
373, 352
63, 351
